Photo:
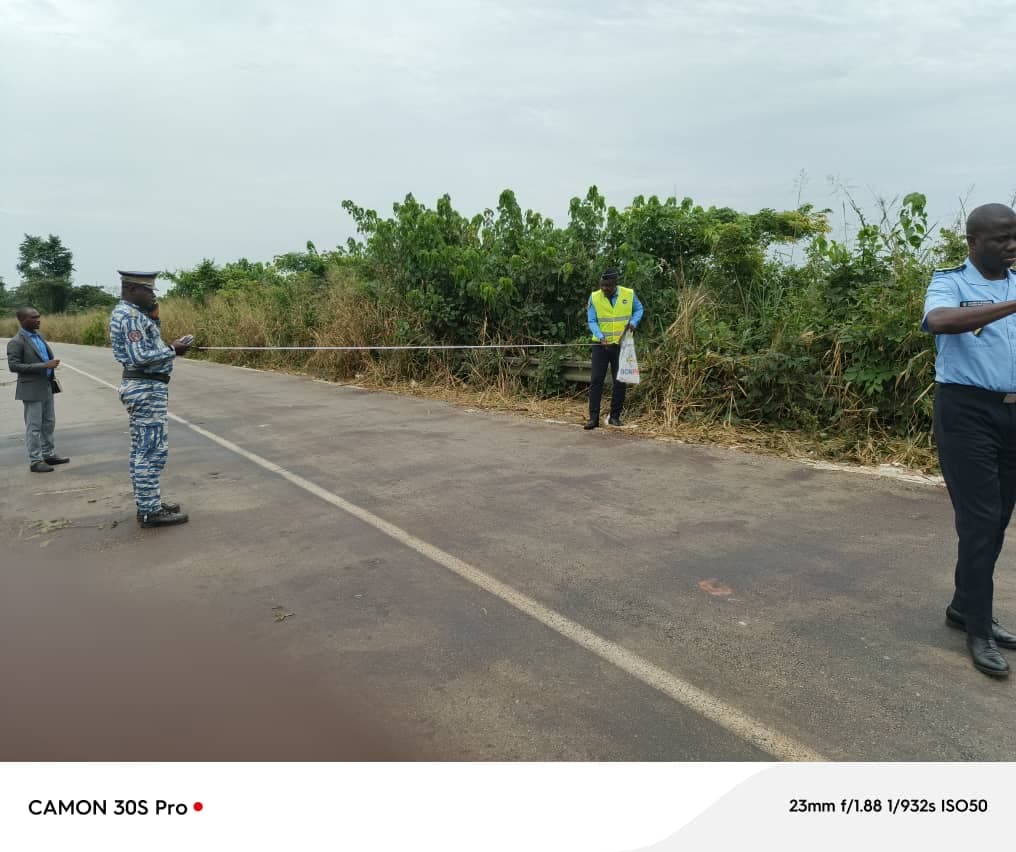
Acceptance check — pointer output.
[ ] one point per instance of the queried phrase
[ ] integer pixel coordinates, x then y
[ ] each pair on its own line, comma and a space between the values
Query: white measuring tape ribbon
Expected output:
374, 348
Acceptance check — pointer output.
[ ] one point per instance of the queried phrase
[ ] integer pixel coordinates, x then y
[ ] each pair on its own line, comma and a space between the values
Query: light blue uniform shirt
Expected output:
594, 323
985, 360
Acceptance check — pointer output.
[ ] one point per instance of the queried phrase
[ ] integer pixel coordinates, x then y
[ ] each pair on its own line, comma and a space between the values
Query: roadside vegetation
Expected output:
761, 329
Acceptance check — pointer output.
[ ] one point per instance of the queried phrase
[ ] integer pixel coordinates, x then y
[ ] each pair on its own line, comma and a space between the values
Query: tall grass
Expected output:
69, 328
694, 384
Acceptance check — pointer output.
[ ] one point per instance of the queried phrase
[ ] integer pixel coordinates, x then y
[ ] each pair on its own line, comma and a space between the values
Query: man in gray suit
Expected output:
31, 358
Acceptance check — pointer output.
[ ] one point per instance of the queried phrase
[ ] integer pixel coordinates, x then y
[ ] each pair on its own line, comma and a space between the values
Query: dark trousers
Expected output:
976, 436
602, 356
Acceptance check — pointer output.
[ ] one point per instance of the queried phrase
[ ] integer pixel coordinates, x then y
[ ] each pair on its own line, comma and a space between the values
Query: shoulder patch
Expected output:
959, 268
134, 336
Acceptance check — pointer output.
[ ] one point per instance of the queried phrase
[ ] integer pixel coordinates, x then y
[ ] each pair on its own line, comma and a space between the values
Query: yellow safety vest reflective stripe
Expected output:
613, 319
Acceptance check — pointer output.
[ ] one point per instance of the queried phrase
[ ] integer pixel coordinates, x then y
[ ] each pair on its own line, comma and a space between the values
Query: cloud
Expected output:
194, 128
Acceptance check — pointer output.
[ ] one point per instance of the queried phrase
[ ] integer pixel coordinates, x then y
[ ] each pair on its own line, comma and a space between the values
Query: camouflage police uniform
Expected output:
137, 344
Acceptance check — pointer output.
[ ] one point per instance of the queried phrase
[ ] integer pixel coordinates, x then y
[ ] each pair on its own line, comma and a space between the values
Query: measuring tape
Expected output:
376, 348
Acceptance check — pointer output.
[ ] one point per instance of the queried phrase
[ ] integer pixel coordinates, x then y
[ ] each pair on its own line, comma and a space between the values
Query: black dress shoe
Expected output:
613, 421
57, 460
591, 424
162, 518
40, 467
166, 507
986, 656
955, 619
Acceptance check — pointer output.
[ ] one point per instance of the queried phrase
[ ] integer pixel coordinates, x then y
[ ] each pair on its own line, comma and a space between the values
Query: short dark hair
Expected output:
983, 217
23, 312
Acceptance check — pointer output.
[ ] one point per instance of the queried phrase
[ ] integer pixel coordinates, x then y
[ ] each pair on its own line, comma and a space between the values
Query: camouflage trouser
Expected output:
147, 403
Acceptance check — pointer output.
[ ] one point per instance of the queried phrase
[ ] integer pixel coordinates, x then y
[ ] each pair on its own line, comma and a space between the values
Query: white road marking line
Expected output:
709, 707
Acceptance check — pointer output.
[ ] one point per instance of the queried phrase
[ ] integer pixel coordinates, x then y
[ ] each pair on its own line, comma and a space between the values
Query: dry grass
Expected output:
65, 328
682, 395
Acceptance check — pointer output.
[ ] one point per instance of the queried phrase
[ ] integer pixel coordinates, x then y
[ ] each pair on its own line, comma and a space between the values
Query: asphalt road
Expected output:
443, 583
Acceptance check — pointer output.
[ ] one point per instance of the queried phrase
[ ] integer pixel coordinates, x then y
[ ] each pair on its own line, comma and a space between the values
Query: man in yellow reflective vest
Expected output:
612, 311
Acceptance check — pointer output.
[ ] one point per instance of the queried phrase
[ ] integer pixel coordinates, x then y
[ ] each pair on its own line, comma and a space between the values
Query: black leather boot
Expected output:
162, 518
167, 507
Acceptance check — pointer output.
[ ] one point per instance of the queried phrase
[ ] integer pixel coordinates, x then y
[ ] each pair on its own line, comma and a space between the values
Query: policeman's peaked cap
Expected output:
145, 279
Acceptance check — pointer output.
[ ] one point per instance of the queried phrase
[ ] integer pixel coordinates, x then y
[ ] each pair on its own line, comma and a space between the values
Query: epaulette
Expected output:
959, 268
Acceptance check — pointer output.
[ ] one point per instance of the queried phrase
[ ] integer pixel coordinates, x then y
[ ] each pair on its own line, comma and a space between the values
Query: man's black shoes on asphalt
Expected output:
955, 619
986, 656
593, 423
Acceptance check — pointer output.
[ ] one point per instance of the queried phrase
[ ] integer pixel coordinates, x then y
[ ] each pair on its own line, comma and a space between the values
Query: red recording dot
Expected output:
198, 806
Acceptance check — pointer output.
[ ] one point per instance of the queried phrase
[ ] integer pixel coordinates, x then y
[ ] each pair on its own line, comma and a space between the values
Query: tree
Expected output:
197, 283
45, 267
89, 296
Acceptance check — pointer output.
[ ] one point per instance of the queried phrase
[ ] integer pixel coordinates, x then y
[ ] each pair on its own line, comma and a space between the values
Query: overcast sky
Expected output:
154, 134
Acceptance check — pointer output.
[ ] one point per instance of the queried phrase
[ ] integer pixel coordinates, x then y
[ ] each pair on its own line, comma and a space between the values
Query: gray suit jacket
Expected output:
33, 383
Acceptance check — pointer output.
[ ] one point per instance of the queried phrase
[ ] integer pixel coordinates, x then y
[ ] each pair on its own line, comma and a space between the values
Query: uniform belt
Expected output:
141, 374
982, 393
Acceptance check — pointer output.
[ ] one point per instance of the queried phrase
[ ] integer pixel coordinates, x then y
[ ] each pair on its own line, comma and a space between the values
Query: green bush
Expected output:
96, 332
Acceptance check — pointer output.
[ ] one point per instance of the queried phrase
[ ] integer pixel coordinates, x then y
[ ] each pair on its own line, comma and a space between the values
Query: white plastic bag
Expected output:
628, 365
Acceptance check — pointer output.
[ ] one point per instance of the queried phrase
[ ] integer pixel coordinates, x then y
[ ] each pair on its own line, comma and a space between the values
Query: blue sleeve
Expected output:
593, 322
942, 293
143, 343
636, 312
